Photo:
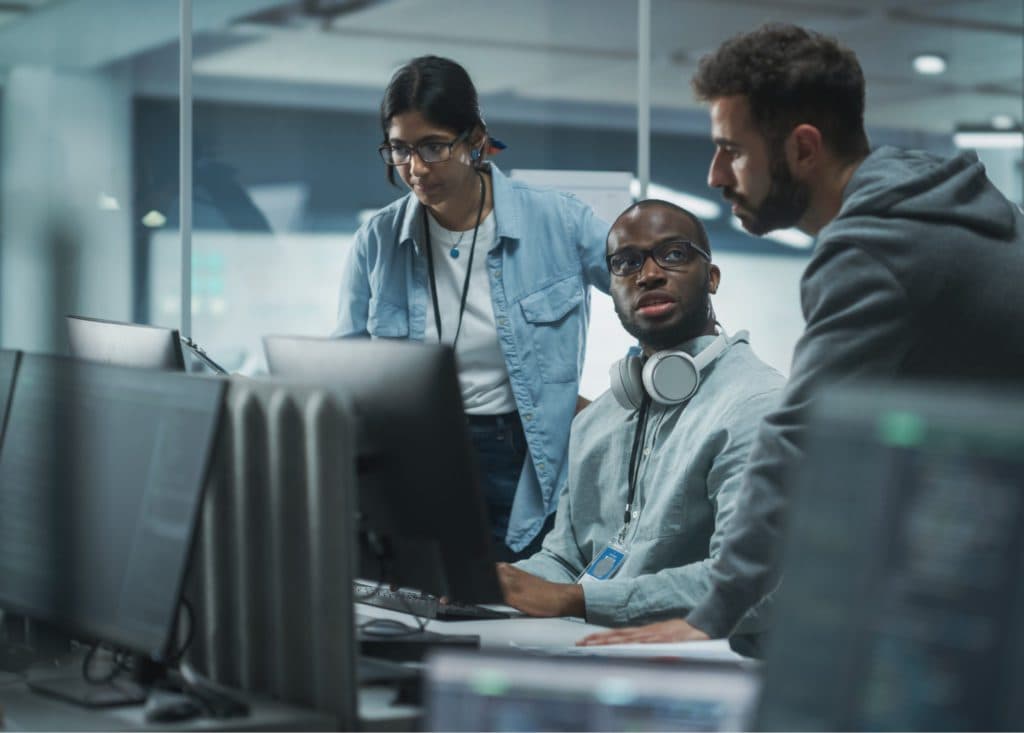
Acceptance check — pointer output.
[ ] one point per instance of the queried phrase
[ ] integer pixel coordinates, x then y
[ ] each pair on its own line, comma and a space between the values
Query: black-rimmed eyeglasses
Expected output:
429, 151
676, 254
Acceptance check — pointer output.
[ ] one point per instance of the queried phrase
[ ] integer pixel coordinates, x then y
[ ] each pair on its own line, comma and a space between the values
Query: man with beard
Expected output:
653, 474
915, 273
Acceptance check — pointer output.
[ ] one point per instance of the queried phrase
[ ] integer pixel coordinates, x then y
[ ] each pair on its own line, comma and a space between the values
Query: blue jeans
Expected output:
500, 448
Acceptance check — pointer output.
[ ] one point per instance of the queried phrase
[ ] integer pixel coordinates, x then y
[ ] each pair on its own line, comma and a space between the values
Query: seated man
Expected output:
653, 476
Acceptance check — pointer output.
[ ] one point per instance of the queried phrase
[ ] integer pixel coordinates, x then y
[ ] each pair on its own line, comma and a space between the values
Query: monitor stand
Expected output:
68, 684
75, 689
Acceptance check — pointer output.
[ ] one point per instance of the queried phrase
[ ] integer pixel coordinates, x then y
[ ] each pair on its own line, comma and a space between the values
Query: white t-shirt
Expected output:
482, 374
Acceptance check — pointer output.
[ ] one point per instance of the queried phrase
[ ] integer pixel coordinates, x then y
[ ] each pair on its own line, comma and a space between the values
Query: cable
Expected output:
118, 665
380, 553
179, 654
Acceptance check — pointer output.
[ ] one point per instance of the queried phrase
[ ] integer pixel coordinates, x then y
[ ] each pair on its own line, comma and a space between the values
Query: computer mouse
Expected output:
170, 707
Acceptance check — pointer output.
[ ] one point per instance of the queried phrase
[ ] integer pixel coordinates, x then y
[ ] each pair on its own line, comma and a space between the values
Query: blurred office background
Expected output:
283, 103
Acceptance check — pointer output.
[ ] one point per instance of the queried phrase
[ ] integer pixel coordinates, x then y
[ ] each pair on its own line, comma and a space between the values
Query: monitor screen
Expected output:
903, 567
422, 518
125, 344
101, 476
505, 692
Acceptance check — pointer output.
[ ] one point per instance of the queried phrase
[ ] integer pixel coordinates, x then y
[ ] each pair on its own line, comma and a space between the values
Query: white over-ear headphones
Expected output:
668, 377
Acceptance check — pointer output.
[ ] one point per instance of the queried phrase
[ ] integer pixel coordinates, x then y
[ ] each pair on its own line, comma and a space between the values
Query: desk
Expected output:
557, 636
497, 633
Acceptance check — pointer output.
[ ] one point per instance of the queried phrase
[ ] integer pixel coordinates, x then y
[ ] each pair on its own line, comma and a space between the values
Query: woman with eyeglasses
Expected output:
498, 270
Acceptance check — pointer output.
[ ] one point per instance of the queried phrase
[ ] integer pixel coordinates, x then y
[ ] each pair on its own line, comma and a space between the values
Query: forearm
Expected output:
669, 592
550, 565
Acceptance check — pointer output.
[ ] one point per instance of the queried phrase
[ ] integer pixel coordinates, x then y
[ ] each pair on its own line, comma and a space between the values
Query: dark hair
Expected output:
791, 76
437, 88
702, 234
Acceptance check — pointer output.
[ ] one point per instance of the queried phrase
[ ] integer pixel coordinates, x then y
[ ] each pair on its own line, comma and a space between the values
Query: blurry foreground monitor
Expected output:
422, 518
502, 692
902, 600
125, 344
101, 476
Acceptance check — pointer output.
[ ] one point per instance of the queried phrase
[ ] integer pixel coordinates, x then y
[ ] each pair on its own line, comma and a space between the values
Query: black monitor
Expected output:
125, 344
101, 477
902, 596
423, 521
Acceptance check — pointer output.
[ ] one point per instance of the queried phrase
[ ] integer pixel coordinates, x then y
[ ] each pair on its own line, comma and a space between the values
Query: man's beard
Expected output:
692, 324
784, 204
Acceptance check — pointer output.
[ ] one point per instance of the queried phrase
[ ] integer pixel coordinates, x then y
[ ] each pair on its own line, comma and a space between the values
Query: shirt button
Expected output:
636, 514
540, 466
497, 274
528, 416
647, 452
501, 321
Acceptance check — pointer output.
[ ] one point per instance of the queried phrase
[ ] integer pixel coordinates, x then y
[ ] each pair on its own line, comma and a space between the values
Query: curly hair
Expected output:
791, 76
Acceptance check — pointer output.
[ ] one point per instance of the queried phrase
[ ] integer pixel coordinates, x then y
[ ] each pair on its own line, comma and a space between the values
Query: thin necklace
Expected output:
469, 266
454, 251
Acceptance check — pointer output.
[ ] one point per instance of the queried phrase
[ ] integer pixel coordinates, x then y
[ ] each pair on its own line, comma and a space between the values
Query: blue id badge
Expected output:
606, 564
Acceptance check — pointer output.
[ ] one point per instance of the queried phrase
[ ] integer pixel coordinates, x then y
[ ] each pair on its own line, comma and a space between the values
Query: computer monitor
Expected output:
506, 692
101, 476
125, 344
422, 518
902, 595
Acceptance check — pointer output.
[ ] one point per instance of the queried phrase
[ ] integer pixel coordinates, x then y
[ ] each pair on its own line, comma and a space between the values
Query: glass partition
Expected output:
284, 169
68, 190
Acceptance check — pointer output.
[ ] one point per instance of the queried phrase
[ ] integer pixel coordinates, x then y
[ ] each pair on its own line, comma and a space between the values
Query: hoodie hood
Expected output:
905, 184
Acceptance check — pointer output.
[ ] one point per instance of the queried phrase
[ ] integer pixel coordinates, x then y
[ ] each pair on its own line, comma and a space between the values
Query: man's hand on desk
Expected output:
537, 597
663, 632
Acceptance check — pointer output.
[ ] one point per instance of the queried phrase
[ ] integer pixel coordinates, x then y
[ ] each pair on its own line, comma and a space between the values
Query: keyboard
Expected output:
420, 604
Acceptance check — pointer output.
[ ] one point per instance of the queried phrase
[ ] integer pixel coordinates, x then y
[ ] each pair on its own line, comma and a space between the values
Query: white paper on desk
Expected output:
715, 650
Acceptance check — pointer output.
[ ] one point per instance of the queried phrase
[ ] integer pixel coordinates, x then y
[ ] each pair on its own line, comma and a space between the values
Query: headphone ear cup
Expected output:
627, 382
671, 377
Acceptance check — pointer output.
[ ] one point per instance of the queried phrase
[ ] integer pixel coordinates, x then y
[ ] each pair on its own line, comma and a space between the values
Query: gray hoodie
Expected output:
919, 276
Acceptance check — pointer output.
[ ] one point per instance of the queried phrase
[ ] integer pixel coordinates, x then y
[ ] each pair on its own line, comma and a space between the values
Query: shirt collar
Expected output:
505, 212
696, 345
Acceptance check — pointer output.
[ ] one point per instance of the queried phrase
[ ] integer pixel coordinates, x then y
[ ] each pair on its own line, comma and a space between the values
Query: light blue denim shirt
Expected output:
689, 478
550, 247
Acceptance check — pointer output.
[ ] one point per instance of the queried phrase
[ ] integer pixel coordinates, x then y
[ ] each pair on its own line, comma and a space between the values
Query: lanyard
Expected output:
469, 266
634, 462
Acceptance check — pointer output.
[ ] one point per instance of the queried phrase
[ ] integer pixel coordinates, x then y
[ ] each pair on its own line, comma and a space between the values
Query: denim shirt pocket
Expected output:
385, 320
555, 328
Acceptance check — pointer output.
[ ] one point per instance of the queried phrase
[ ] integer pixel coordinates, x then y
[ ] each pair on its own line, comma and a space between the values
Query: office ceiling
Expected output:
563, 52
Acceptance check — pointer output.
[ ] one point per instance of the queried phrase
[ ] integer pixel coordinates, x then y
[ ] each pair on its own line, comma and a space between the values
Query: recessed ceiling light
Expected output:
1003, 122
929, 64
